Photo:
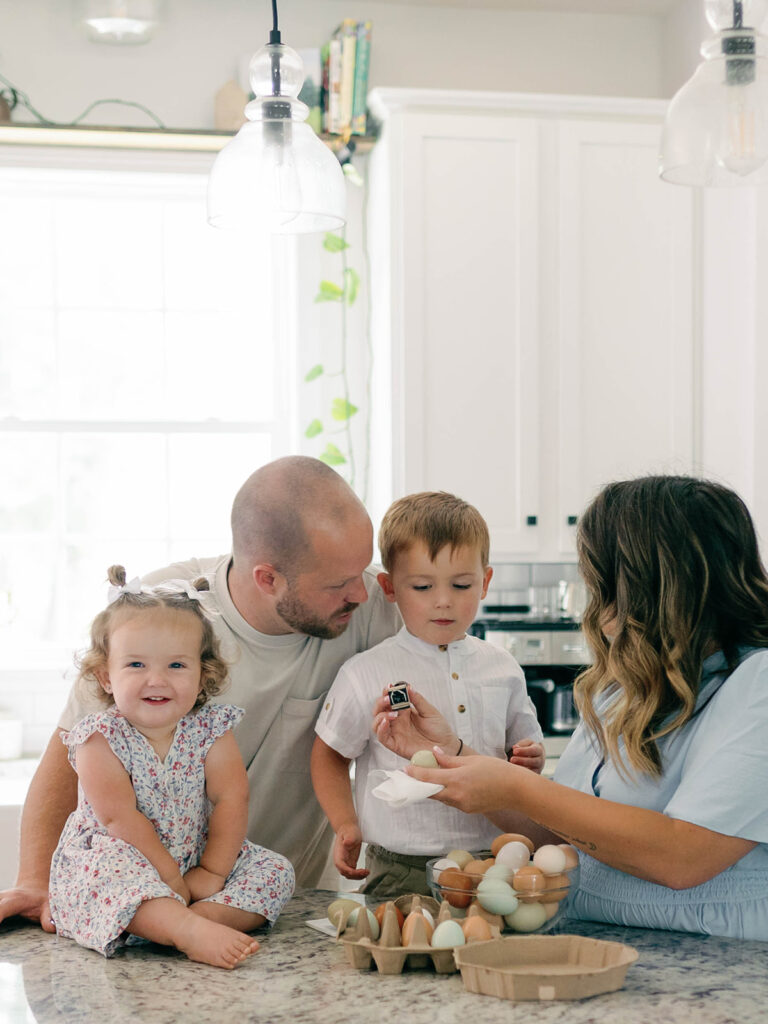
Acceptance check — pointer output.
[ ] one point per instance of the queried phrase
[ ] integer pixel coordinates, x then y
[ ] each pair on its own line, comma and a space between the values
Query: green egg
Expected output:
447, 935
340, 910
424, 759
496, 896
527, 918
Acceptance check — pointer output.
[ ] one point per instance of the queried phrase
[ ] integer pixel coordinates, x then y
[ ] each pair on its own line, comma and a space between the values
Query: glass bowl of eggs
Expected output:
518, 887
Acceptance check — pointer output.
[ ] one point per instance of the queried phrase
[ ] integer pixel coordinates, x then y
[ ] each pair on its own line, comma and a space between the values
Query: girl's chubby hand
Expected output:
528, 754
419, 727
203, 883
179, 885
478, 785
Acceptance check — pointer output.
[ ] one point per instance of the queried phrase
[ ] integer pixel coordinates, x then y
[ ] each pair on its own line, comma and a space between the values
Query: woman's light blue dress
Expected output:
715, 774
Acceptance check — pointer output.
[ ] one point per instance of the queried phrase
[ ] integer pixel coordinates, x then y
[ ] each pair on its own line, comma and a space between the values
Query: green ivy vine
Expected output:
341, 409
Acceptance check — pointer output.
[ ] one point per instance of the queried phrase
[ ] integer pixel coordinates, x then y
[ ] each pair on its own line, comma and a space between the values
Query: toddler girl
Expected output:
156, 848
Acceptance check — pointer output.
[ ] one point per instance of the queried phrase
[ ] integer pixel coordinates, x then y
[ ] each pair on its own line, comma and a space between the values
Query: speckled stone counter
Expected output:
302, 977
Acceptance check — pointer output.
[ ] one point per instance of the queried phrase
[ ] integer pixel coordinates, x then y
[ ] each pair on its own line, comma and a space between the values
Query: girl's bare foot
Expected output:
207, 942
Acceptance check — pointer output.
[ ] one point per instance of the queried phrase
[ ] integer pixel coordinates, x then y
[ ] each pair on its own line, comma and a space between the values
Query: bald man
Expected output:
295, 600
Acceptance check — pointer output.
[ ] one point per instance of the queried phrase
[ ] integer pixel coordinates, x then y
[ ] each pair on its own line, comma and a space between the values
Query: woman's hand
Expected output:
202, 883
477, 785
419, 727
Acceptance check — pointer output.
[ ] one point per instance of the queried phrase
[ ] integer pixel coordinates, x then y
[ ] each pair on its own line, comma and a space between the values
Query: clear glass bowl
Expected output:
537, 909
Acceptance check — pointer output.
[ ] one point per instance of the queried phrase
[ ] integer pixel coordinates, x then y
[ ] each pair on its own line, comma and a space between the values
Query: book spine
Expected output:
348, 47
362, 64
334, 85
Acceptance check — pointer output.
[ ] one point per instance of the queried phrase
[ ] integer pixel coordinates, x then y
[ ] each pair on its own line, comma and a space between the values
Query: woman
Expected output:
664, 786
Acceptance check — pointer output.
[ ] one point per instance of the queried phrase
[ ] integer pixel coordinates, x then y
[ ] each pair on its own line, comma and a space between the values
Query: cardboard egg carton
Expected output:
387, 952
544, 967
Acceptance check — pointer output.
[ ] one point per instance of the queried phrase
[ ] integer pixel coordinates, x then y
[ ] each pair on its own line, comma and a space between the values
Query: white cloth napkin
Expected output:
400, 790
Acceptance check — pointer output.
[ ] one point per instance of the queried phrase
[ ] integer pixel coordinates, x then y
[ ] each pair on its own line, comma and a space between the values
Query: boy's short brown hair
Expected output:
435, 518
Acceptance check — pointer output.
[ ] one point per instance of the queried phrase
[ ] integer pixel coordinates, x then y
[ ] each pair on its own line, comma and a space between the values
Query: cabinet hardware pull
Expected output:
572, 520
531, 520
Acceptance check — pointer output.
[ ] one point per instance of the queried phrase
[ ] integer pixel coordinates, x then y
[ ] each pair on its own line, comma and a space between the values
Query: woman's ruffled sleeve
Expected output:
111, 726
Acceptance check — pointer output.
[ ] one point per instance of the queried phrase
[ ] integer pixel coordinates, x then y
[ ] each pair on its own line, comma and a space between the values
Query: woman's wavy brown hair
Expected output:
93, 662
671, 564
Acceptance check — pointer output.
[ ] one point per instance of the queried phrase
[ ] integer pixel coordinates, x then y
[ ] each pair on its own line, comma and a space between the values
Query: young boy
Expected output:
434, 548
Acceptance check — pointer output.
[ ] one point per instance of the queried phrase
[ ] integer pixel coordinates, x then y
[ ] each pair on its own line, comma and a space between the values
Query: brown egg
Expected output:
528, 879
451, 879
417, 931
477, 867
476, 929
379, 914
510, 837
558, 883
571, 856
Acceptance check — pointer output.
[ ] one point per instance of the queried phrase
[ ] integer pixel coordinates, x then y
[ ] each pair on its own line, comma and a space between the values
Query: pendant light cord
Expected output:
274, 39
274, 35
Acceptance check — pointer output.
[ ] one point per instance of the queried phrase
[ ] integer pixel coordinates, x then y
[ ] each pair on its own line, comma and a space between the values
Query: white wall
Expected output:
685, 28
201, 43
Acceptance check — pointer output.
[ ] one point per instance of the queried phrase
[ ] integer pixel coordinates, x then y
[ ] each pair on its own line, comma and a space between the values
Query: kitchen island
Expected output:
301, 976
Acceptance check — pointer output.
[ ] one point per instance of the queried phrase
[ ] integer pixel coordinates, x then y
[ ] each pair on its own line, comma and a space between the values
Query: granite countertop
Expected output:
302, 977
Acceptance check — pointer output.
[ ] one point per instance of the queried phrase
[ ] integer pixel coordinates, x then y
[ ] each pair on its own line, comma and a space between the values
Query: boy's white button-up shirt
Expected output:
479, 688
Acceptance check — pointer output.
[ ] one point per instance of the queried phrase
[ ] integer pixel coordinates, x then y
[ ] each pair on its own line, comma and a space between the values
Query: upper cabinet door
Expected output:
464, 339
626, 373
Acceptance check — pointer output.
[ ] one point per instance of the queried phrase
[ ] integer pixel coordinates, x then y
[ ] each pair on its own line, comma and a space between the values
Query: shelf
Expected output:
203, 140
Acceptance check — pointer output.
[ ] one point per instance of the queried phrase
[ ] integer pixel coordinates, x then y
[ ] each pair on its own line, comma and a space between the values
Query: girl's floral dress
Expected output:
98, 881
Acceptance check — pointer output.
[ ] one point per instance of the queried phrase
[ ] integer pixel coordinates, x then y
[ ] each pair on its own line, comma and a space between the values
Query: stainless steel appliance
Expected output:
551, 654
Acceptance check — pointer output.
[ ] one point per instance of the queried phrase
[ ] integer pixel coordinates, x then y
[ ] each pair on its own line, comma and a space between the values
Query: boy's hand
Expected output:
346, 850
419, 727
528, 754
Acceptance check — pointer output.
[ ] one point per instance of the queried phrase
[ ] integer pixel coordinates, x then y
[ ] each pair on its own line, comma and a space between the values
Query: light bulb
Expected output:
742, 149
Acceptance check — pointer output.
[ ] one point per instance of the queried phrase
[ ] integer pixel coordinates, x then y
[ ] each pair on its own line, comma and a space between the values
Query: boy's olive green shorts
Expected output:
392, 874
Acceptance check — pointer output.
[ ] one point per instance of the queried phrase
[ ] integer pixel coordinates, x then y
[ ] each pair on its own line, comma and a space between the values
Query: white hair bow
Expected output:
131, 587
203, 597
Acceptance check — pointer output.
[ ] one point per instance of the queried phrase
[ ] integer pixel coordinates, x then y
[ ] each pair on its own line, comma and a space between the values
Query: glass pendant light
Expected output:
120, 22
716, 128
276, 174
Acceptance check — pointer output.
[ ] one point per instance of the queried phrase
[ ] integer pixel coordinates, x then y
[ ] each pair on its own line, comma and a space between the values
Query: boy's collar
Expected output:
422, 646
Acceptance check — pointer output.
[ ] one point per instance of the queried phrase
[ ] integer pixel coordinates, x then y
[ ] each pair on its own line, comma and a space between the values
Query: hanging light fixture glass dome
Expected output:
716, 128
276, 174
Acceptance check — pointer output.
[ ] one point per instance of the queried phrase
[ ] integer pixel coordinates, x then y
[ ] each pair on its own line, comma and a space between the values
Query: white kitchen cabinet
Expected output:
624, 352
531, 305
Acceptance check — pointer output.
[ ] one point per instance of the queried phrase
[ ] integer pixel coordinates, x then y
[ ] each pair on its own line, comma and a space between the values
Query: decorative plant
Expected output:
339, 450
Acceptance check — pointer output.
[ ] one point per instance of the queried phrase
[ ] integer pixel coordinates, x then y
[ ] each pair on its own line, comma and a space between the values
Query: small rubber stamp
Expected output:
398, 696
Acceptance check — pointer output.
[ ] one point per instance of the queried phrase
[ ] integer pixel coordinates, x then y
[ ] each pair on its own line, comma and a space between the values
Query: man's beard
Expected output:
299, 617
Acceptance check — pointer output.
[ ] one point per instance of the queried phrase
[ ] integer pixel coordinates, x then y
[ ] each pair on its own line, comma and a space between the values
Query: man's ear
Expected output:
268, 579
385, 582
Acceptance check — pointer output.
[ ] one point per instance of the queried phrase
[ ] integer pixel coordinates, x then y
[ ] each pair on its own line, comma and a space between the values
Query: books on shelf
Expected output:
346, 61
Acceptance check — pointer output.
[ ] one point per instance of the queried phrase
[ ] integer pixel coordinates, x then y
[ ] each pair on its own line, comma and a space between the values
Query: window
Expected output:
140, 384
